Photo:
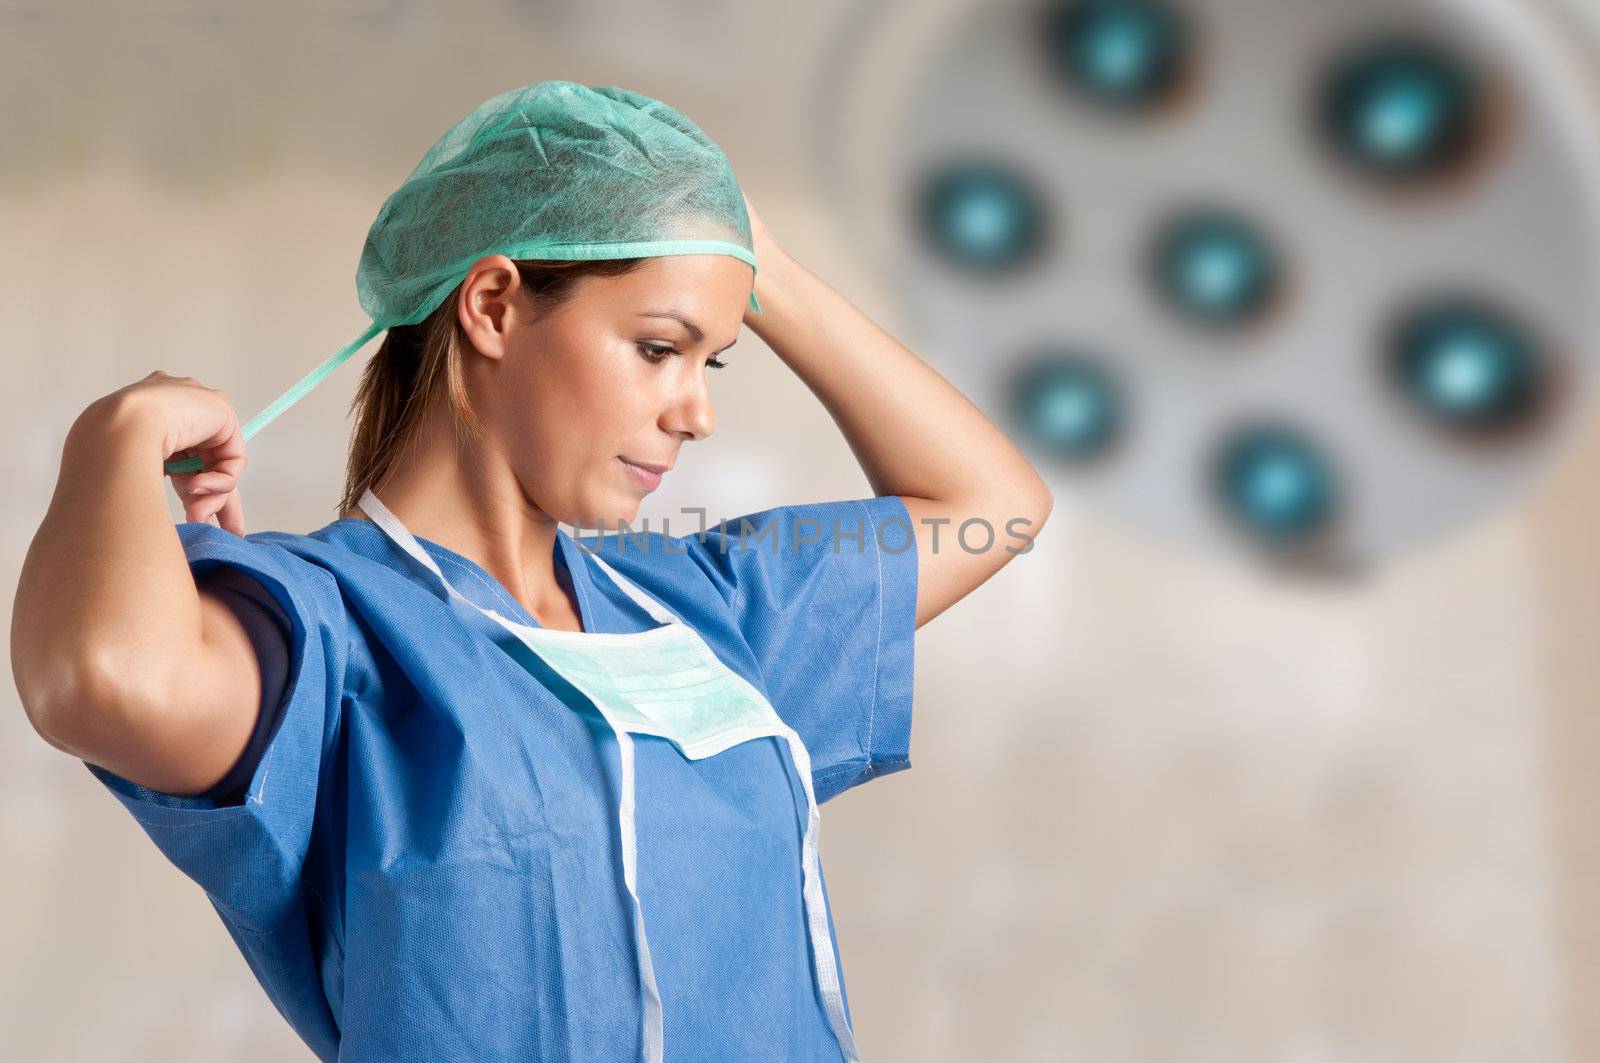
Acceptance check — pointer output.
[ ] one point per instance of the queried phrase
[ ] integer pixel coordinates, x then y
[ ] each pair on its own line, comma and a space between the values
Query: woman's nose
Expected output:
691, 414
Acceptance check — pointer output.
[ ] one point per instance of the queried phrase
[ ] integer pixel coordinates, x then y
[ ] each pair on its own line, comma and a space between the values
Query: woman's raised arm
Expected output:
915, 435
119, 657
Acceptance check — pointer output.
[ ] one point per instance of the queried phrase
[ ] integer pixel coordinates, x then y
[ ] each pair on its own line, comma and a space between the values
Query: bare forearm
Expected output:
912, 431
105, 599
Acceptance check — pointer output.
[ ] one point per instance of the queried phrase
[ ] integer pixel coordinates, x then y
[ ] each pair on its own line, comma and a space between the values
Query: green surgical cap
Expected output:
549, 171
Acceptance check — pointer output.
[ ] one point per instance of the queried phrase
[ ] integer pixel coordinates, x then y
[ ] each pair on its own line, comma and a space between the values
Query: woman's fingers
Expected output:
205, 493
231, 515
227, 457
196, 509
222, 451
210, 482
200, 508
227, 442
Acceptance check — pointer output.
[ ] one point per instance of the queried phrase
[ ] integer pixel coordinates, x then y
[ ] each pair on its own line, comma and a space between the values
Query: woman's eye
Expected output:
655, 353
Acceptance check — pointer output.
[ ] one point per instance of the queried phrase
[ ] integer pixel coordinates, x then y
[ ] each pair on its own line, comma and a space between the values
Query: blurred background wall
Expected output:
1288, 766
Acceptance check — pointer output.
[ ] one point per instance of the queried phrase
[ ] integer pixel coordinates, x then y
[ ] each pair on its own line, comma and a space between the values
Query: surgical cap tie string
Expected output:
288, 398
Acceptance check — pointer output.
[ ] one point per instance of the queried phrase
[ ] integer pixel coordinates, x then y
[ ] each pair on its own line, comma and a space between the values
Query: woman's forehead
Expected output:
706, 292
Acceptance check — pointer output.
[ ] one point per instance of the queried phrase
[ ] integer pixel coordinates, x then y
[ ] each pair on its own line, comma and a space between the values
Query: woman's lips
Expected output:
641, 476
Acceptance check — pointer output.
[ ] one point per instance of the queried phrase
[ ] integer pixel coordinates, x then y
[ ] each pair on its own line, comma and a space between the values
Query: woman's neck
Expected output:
470, 502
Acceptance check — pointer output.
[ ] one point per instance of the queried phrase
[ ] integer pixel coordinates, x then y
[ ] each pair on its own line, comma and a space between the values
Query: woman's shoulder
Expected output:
796, 530
668, 565
333, 544
746, 557
317, 578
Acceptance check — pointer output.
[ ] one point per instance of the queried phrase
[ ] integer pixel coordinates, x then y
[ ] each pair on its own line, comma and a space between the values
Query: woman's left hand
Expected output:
769, 256
759, 236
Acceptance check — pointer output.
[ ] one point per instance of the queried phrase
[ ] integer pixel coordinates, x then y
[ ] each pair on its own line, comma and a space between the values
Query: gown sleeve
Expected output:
269, 630
247, 848
825, 595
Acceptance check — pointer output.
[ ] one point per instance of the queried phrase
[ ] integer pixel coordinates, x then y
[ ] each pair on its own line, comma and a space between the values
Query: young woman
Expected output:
461, 785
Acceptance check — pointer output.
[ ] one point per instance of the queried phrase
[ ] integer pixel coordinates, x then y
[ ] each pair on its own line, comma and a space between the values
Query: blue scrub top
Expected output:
426, 862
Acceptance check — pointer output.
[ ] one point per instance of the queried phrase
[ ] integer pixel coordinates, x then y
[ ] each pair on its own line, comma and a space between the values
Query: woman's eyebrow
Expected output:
678, 316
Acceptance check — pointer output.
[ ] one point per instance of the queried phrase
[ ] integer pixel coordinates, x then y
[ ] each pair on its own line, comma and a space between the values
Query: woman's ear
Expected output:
492, 304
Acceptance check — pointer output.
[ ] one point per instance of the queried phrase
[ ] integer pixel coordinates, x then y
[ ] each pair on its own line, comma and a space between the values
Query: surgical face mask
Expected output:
666, 682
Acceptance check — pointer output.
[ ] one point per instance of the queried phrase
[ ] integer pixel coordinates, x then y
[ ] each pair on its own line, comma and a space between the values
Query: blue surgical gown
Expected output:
425, 864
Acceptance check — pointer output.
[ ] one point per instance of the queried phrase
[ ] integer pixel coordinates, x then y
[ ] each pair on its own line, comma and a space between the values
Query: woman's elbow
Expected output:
80, 709
1033, 508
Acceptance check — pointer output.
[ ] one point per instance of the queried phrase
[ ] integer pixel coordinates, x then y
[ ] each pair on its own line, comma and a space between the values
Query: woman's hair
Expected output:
422, 364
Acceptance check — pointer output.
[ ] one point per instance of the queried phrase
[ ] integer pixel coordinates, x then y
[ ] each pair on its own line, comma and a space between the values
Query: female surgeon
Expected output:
463, 786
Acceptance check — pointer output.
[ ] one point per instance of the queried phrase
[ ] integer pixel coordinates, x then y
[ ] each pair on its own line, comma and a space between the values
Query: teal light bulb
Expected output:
1400, 119
1275, 483
1069, 403
981, 216
1401, 108
1121, 54
1465, 364
1214, 267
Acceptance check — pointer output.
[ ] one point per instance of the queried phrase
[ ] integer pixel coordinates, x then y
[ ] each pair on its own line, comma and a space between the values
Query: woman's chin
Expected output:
610, 516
